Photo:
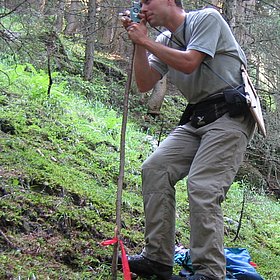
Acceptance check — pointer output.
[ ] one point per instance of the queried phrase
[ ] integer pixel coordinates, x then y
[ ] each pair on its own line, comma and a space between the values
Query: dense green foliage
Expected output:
58, 175
59, 159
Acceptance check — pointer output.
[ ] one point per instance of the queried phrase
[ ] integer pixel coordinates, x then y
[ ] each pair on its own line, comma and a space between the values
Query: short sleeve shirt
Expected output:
205, 31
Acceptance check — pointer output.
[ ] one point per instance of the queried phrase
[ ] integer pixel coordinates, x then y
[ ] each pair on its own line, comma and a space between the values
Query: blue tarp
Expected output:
238, 265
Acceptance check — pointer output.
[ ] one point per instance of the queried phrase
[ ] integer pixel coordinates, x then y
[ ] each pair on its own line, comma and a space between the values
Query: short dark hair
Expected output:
179, 3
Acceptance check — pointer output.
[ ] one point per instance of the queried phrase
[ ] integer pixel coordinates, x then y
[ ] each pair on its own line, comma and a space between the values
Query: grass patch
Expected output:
58, 177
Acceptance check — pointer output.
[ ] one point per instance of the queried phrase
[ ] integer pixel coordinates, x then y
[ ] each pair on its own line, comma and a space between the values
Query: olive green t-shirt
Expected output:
205, 31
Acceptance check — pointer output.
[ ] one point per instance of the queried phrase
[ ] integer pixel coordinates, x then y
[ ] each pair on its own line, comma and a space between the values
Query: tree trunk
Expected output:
60, 16
90, 29
156, 99
237, 13
73, 18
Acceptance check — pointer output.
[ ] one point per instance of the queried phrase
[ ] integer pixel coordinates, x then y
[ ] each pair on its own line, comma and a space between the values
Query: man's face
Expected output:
155, 11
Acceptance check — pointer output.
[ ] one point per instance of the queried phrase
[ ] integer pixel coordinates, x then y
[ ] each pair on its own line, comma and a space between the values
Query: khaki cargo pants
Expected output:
210, 156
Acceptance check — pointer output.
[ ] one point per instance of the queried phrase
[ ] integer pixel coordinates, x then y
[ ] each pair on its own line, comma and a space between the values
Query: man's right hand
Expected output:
146, 77
137, 31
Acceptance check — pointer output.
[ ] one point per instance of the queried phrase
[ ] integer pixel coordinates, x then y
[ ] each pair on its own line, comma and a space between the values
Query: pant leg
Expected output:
212, 172
160, 172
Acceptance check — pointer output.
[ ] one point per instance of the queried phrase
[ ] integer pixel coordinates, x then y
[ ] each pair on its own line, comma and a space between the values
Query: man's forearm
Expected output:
183, 61
146, 77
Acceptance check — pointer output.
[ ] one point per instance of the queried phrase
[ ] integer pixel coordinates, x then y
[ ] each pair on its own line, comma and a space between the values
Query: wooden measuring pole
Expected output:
121, 166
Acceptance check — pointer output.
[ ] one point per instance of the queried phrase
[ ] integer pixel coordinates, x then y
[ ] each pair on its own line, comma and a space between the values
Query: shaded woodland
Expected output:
95, 25
63, 70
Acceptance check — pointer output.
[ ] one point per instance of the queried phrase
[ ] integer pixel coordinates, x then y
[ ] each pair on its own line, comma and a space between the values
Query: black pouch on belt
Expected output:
236, 101
208, 111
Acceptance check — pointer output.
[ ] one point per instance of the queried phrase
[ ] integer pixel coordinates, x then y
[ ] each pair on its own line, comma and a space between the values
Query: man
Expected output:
203, 60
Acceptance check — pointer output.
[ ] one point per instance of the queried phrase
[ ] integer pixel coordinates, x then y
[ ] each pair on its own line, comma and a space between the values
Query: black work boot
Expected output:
143, 267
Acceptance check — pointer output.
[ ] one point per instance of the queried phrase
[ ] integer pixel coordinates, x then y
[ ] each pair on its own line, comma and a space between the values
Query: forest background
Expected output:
63, 69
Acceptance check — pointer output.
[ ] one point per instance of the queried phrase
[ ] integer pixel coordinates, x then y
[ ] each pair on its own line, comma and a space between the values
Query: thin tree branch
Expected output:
49, 73
14, 9
7, 240
241, 215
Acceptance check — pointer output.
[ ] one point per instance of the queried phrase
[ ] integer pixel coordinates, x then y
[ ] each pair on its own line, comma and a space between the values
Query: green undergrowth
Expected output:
260, 227
59, 156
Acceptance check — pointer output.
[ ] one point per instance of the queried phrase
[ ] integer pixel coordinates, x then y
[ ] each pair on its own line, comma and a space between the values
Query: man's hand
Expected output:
146, 77
137, 32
